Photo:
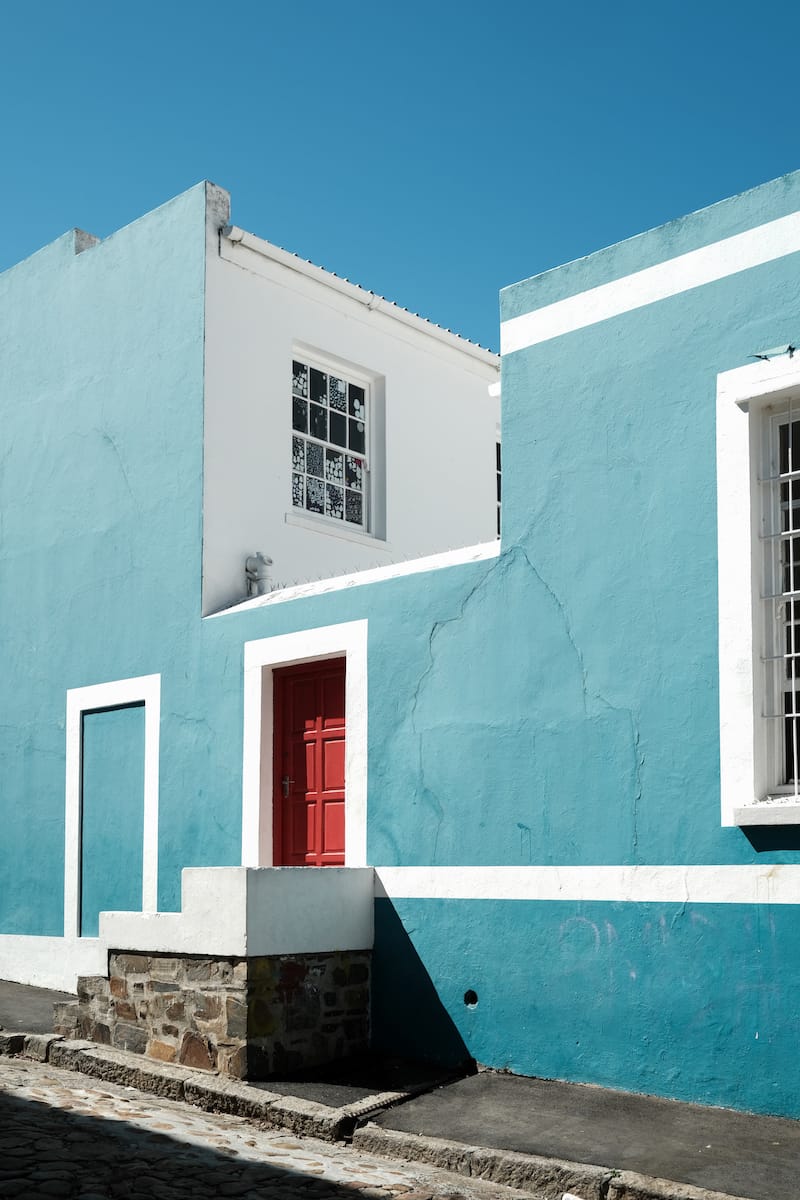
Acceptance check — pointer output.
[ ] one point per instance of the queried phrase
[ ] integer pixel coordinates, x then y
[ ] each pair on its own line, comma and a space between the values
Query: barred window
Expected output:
779, 480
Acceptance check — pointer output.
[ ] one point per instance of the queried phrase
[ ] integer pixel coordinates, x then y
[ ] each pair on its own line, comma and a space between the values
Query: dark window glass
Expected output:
357, 436
338, 429
319, 422
319, 386
299, 415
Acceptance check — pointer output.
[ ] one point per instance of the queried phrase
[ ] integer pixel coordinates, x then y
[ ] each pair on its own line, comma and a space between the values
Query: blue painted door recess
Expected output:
112, 813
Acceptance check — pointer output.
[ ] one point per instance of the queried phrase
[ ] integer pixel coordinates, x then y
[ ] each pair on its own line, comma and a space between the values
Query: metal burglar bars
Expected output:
780, 491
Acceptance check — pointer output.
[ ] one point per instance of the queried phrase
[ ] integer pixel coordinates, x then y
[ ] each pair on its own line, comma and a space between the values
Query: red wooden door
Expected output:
309, 741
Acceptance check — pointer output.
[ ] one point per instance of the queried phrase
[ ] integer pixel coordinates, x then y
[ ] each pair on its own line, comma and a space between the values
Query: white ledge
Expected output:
777, 813
240, 912
414, 566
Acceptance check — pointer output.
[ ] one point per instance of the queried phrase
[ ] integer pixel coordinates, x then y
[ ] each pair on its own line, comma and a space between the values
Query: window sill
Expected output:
320, 525
773, 812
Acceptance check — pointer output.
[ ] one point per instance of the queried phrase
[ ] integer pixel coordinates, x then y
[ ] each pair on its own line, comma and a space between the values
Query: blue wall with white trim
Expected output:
557, 705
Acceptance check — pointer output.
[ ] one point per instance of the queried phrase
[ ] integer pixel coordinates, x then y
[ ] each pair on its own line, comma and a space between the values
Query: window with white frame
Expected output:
758, 519
499, 473
330, 444
779, 488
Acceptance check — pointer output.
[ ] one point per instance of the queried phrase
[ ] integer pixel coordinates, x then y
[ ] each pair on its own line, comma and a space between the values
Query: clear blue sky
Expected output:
433, 152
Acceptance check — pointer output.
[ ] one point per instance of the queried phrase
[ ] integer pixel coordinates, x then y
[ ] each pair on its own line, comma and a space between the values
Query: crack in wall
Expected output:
109, 440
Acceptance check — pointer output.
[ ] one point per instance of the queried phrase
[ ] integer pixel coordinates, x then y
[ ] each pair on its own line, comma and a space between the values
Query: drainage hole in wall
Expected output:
470, 998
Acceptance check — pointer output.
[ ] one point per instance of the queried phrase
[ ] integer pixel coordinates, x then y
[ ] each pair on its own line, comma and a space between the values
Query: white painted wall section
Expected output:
433, 434
241, 911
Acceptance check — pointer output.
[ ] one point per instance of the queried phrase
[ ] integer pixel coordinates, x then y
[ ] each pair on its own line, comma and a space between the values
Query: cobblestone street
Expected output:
66, 1135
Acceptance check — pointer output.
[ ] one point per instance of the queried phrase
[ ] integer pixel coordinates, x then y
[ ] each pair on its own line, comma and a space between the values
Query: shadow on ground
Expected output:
50, 1152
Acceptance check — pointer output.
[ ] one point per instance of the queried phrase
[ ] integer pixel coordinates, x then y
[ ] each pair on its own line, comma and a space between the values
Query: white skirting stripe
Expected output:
776, 884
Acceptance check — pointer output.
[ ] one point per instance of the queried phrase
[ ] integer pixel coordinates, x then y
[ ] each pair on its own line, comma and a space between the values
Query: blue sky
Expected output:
433, 152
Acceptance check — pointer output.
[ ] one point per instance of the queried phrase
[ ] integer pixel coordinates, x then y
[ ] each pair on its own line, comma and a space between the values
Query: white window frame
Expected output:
368, 528
747, 399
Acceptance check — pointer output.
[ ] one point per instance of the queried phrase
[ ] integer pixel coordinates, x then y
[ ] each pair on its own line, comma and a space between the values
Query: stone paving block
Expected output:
228, 1096
37, 1045
130, 1070
629, 1185
69, 1054
547, 1178
12, 1043
309, 1119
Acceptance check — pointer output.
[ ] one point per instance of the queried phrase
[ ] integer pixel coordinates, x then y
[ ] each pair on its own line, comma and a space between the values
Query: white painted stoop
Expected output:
240, 912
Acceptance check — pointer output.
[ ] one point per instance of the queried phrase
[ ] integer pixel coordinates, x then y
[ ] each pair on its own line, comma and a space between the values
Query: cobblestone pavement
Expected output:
66, 1135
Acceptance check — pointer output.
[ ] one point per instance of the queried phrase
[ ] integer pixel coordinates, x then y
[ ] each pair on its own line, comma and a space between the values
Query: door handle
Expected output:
285, 783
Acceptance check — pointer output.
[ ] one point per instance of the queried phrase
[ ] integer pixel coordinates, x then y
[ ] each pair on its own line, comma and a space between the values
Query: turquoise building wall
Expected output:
555, 706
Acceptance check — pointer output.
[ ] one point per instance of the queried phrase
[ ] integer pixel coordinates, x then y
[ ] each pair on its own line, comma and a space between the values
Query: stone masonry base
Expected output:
248, 1018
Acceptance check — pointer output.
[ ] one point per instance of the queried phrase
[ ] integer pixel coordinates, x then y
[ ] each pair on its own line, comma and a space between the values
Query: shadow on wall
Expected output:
773, 837
408, 1018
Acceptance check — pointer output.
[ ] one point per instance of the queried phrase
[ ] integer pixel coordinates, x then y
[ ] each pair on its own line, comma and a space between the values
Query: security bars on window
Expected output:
499, 471
780, 491
329, 445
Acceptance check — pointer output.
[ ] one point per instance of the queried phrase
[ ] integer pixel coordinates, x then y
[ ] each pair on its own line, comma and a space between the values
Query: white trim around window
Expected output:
145, 689
753, 791
263, 656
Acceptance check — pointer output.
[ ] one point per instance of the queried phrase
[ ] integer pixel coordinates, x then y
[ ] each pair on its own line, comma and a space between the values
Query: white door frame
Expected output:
261, 658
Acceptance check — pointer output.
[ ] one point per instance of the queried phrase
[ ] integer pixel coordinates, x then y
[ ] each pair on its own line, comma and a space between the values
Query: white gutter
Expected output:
369, 300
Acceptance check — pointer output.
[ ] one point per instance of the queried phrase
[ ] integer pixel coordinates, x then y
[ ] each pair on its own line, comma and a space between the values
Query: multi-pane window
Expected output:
499, 471
780, 493
330, 443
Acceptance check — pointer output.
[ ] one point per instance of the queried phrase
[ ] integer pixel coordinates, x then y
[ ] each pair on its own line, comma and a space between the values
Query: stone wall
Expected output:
247, 1018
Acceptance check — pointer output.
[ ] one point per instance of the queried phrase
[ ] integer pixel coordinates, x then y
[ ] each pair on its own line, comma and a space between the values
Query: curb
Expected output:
546, 1178
305, 1118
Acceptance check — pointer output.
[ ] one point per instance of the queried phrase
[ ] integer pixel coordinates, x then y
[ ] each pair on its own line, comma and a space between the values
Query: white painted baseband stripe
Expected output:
752, 248
777, 884
414, 566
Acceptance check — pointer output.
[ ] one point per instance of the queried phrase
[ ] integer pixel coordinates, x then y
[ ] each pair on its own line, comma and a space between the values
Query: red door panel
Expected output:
309, 758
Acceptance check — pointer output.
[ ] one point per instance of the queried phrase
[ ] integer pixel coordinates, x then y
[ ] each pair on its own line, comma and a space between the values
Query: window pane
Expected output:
355, 473
333, 501
319, 422
319, 386
789, 447
337, 389
299, 415
334, 467
338, 429
298, 454
314, 459
357, 406
315, 495
357, 440
353, 507
299, 379
298, 491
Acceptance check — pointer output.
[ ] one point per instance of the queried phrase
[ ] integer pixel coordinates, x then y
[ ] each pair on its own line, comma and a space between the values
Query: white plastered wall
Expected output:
434, 431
